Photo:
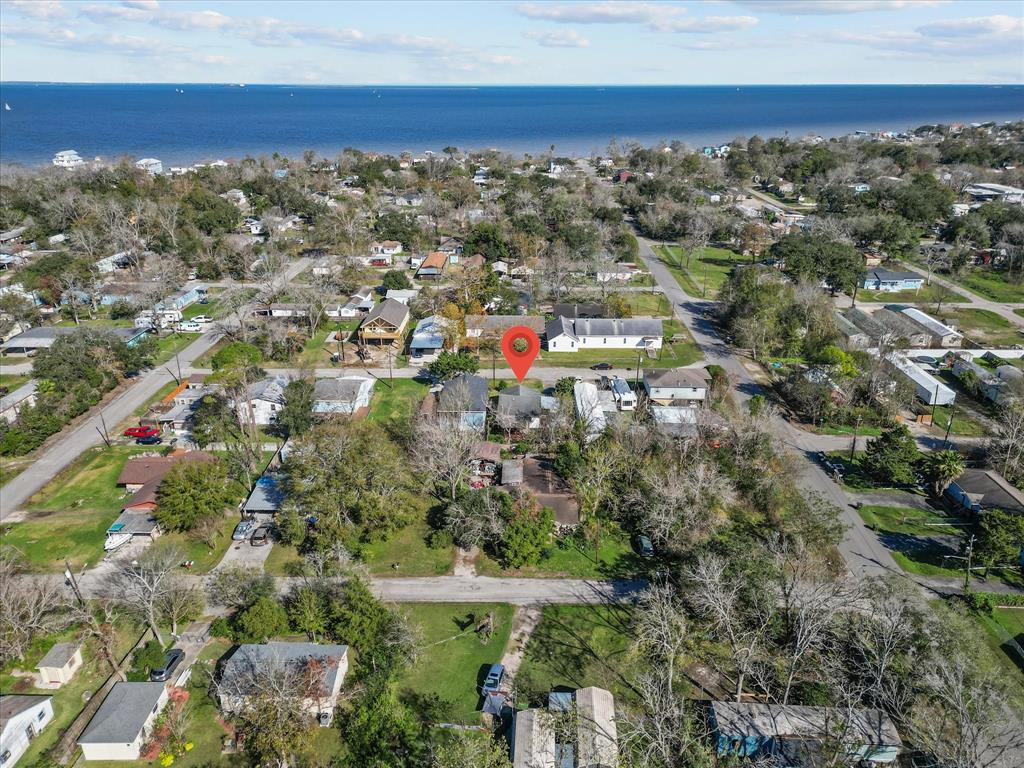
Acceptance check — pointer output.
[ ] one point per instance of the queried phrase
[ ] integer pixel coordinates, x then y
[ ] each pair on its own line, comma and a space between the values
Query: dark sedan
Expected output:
172, 659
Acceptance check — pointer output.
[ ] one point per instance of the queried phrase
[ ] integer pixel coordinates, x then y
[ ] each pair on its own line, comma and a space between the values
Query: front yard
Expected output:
926, 294
572, 559
453, 660
983, 326
397, 399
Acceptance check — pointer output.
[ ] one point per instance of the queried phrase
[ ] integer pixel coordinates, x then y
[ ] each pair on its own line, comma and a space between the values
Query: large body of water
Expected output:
207, 122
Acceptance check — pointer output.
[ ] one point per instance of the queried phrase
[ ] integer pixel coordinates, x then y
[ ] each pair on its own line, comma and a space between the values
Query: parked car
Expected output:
189, 326
203, 319
643, 546
172, 659
493, 680
601, 367
141, 432
243, 530
261, 536
149, 440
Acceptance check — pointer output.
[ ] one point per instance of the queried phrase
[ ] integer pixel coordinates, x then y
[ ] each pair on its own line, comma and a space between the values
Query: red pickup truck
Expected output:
141, 432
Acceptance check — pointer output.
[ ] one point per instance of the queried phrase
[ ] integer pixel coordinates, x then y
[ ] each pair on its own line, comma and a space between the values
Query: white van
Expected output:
189, 326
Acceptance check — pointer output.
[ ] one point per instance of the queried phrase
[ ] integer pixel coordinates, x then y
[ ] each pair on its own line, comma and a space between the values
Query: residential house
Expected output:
592, 406
978, 491
566, 335
237, 198
141, 476
266, 498
282, 311
859, 188
12, 235
927, 388
941, 334
325, 665
385, 324
344, 395
427, 339
409, 200
452, 246
185, 299
523, 406
433, 266
386, 248
264, 401
577, 311
679, 421
500, 268
624, 397
495, 326
59, 665
44, 336
902, 330
150, 165
891, 282
590, 742
117, 261
123, 722
465, 398
983, 193
358, 305
22, 718
853, 337
867, 325
872, 257
677, 386
787, 734
12, 403
404, 295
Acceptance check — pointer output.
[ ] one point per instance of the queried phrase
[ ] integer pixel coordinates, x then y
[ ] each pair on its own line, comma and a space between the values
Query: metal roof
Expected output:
266, 496
771, 720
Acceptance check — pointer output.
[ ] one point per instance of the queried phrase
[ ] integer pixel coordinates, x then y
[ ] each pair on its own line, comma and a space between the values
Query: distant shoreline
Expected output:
182, 124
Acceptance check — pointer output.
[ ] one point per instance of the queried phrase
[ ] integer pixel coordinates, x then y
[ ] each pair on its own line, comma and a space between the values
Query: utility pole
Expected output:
70, 576
935, 402
176, 379
853, 445
949, 421
103, 433
970, 560
177, 360
636, 378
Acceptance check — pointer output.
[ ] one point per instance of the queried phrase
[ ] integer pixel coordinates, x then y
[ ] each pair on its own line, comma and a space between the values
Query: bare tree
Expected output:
661, 631
556, 266
662, 730
145, 583
180, 602
442, 450
238, 586
1006, 446
30, 606
475, 523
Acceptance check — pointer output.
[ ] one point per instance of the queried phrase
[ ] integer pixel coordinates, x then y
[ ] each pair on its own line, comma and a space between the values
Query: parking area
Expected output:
244, 553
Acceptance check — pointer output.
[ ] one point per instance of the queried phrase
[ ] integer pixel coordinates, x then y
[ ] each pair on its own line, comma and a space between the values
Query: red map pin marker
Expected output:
528, 343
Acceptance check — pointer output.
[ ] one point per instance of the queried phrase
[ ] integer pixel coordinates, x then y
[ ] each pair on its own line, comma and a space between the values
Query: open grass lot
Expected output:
408, 548
575, 646
990, 636
648, 304
80, 503
168, 346
67, 700
396, 399
707, 271
993, 285
203, 556
963, 423
983, 326
927, 294
453, 661
614, 559
669, 256
918, 539
672, 355
13, 380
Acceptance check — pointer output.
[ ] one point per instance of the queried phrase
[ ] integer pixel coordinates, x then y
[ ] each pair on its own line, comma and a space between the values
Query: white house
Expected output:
427, 339
23, 717
266, 398
403, 295
13, 402
123, 722
108, 264
344, 395
567, 335
943, 334
386, 248
150, 165
327, 662
625, 398
67, 159
676, 386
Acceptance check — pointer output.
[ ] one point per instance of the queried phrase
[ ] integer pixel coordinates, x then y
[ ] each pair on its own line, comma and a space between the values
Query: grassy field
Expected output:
615, 559
672, 355
67, 700
989, 635
168, 346
408, 548
453, 660
81, 503
993, 285
13, 380
648, 304
963, 423
706, 272
927, 294
396, 401
983, 326
11, 468
575, 646
203, 556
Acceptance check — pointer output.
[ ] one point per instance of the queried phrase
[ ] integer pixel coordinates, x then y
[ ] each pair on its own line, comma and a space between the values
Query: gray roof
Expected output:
394, 312
15, 704
465, 384
511, 471
122, 714
573, 311
134, 521
694, 378
13, 398
266, 496
732, 719
501, 323
560, 326
247, 656
847, 328
520, 401
341, 390
633, 326
991, 490
887, 275
898, 323
59, 655
271, 390
44, 335
865, 323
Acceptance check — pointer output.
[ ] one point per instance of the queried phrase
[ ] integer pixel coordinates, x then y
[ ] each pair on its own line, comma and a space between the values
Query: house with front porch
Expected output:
385, 324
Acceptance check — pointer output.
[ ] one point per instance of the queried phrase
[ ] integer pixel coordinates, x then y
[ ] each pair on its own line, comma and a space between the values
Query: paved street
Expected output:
72, 443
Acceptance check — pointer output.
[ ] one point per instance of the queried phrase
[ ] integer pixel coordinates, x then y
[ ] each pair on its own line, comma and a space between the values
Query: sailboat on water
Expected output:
7, 107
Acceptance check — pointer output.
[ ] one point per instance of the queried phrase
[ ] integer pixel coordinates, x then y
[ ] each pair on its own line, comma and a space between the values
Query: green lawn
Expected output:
648, 304
575, 646
11, 468
669, 256
396, 399
983, 326
67, 700
80, 503
993, 285
408, 547
169, 345
453, 661
927, 294
672, 355
963, 423
991, 640
615, 558
1019, 312
13, 380
211, 308
283, 560
193, 549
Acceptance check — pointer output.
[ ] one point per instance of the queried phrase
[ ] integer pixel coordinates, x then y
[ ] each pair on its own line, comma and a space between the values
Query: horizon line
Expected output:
236, 84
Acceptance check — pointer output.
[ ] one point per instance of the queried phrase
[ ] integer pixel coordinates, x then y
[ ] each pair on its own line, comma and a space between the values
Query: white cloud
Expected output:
36, 9
601, 13
151, 13
707, 25
999, 26
146, 5
568, 38
833, 7
976, 36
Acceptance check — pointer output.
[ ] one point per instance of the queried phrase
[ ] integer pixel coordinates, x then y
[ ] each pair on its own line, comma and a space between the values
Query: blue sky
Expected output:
717, 41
